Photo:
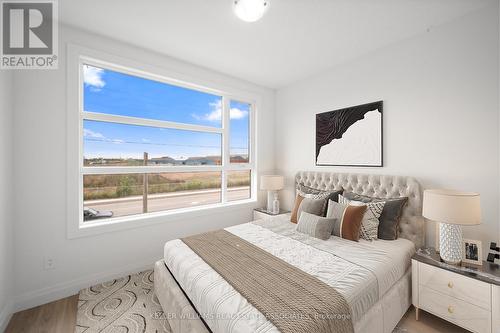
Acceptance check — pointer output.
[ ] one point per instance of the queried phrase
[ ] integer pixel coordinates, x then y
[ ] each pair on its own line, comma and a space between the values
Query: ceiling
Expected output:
295, 39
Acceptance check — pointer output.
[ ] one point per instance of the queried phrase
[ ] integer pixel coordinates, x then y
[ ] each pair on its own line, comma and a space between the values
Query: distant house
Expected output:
239, 159
209, 160
165, 160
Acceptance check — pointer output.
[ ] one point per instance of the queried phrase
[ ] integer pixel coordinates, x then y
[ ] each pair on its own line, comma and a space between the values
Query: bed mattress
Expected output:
361, 271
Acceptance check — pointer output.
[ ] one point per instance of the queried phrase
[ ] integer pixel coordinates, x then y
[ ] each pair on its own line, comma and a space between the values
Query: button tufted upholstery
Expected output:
412, 223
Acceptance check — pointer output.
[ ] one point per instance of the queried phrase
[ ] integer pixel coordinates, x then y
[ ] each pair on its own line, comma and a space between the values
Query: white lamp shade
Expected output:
452, 207
272, 182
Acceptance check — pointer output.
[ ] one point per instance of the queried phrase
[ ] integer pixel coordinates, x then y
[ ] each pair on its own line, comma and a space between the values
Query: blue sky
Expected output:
115, 93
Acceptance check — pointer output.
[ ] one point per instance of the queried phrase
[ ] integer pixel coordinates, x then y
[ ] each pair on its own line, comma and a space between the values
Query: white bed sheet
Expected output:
362, 272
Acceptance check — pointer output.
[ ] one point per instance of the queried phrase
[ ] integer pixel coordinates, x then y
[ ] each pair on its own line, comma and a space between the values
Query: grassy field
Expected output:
118, 186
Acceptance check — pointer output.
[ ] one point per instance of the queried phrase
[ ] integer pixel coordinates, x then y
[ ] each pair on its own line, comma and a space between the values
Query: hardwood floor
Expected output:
60, 317
55, 317
427, 323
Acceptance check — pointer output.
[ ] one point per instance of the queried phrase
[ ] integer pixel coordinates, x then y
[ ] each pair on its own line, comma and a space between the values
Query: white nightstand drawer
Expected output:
455, 285
457, 311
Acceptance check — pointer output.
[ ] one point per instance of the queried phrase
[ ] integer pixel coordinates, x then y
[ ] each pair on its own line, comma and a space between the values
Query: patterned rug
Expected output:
125, 305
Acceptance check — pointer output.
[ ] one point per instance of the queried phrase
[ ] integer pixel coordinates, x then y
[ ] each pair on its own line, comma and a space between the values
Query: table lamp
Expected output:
272, 184
451, 209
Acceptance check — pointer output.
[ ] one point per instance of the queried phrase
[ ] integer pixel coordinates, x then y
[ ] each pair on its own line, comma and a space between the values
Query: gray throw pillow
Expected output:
315, 226
388, 227
312, 205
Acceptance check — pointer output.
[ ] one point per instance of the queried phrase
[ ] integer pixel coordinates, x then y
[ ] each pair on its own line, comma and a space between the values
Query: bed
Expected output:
373, 277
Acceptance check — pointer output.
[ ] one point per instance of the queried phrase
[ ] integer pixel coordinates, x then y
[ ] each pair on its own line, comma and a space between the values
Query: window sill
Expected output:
143, 220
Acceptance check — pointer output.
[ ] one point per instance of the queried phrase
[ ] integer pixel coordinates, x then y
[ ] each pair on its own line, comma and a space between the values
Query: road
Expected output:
133, 205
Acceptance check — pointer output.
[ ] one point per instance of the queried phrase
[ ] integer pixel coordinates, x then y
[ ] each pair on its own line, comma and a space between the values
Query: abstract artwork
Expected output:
350, 136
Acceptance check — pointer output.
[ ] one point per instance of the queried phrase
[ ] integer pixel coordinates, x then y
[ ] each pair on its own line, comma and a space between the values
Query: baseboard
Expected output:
5, 315
52, 293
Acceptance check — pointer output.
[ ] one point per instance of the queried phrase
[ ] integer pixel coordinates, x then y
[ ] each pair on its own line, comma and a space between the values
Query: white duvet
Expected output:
361, 271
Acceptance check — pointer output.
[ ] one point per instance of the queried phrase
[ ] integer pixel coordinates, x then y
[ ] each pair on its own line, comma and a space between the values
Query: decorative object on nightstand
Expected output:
466, 295
272, 184
493, 256
451, 209
473, 252
262, 213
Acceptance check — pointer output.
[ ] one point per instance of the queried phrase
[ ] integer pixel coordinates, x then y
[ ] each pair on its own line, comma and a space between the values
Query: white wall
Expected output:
40, 160
6, 213
441, 112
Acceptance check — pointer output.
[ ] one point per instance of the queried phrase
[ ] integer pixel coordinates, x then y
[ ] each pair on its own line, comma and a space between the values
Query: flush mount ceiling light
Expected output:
250, 10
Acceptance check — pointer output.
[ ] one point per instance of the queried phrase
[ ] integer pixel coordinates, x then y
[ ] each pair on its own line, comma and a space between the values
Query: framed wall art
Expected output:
351, 136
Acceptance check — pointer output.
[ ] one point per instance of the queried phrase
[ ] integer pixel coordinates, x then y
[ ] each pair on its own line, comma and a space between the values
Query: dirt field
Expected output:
119, 186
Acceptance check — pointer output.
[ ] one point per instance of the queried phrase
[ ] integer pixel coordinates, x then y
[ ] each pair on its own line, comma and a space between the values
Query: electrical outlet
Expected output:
48, 263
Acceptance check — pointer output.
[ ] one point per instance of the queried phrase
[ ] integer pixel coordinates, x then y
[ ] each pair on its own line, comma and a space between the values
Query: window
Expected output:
239, 131
152, 145
238, 185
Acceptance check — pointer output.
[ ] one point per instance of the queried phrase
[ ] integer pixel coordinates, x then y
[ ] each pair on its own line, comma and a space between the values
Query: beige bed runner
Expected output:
291, 299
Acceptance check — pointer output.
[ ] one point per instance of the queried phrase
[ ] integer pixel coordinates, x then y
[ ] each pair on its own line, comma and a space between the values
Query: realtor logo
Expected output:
29, 34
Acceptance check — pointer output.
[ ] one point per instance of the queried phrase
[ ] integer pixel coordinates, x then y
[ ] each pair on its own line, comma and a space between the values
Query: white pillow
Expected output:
370, 222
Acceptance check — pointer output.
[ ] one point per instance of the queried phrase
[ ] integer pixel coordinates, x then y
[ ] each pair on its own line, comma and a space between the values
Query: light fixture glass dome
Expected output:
250, 10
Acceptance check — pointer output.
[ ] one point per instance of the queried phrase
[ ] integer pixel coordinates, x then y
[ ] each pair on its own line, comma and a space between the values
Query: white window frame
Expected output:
78, 56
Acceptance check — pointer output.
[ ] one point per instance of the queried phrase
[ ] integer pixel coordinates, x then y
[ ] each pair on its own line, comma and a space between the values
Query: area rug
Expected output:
125, 305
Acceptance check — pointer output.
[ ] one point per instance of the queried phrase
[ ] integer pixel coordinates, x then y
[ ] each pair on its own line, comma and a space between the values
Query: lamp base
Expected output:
270, 199
450, 243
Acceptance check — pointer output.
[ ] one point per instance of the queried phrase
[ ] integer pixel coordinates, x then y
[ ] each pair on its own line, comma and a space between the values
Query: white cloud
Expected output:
91, 134
96, 135
145, 140
216, 113
92, 76
236, 113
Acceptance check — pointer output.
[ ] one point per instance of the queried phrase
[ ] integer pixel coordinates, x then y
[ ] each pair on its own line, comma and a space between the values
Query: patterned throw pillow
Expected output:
333, 194
369, 225
391, 215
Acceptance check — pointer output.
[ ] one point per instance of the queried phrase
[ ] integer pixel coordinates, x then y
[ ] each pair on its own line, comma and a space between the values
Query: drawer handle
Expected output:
450, 309
450, 284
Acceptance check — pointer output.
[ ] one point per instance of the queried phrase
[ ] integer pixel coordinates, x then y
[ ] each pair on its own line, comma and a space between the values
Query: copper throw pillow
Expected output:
347, 219
295, 210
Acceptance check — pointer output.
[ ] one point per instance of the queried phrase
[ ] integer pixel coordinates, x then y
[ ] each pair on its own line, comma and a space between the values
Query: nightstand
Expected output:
262, 213
467, 295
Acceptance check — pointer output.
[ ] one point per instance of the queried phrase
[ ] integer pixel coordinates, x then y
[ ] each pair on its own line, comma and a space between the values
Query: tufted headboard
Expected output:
412, 223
